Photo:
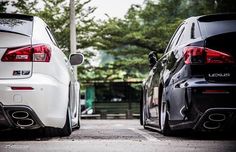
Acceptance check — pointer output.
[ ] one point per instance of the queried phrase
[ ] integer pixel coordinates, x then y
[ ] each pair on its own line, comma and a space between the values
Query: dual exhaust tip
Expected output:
214, 121
22, 118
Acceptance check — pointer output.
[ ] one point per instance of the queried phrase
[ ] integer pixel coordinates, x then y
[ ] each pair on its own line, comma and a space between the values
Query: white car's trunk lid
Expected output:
15, 37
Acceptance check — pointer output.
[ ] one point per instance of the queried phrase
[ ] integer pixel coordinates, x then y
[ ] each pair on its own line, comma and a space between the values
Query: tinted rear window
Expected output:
217, 27
13, 25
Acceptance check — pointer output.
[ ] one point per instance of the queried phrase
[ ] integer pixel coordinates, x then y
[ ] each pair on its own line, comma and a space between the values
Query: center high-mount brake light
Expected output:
200, 55
36, 53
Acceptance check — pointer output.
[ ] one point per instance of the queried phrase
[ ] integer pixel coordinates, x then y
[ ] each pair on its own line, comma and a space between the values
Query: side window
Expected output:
175, 38
180, 38
191, 32
195, 31
51, 36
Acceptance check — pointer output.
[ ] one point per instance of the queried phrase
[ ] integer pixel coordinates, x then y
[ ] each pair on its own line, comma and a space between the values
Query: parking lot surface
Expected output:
116, 136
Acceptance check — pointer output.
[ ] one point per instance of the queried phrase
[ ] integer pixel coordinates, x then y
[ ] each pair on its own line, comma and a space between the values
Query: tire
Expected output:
67, 129
79, 120
164, 121
141, 109
144, 118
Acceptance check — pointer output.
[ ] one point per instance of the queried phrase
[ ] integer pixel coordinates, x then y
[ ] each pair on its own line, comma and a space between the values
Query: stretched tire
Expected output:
141, 110
78, 125
67, 129
144, 119
79, 118
164, 121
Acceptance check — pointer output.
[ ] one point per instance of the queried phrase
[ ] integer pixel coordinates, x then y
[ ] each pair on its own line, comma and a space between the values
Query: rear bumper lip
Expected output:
229, 112
197, 124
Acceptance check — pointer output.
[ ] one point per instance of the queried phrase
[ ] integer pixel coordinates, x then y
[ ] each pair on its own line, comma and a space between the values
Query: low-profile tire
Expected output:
141, 110
144, 118
79, 119
164, 121
78, 123
67, 129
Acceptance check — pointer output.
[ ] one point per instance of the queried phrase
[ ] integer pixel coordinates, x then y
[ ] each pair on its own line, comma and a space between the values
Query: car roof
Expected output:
17, 16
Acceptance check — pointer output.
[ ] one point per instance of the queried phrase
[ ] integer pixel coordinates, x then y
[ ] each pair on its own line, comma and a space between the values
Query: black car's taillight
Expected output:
35, 53
201, 55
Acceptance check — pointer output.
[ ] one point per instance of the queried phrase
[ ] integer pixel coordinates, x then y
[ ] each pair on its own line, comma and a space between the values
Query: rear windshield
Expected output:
217, 27
18, 26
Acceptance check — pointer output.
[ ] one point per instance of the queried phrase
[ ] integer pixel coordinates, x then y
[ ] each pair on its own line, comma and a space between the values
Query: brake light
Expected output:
214, 57
200, 55
36, 53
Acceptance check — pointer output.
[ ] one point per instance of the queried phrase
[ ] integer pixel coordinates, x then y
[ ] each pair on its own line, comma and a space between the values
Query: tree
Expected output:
3, 5
56, 14
130, 40
145, 28
25, 7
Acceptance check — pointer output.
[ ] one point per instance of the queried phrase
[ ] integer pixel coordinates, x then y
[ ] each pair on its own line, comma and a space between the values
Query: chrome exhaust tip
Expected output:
211, 125
25, 122
20, 115
217, 117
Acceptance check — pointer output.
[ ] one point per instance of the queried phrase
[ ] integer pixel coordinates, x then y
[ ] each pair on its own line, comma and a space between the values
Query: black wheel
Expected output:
67, 129
164, 121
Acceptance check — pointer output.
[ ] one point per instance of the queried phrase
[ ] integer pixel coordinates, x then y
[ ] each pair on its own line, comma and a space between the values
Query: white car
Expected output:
37, 85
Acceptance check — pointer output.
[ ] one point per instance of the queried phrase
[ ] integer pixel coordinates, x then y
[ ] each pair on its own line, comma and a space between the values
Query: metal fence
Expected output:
117, 99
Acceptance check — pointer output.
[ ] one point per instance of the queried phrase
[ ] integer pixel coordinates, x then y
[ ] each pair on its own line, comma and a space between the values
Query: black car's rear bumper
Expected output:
213, 119
207, 106
220, 119
7, 121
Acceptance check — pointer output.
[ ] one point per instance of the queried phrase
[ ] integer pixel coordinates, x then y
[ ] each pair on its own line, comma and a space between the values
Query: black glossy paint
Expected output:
189, 88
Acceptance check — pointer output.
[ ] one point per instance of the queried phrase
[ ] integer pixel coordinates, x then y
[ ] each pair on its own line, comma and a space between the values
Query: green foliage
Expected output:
56, 14
144, 28
25, 7
3, 5
149, 28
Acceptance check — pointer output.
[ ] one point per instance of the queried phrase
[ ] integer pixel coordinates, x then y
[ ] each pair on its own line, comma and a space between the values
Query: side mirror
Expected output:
152, 57
76, 59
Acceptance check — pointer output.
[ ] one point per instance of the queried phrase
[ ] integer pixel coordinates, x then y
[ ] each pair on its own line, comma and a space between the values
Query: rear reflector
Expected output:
36, 53
200, 55
22, 88
209, 91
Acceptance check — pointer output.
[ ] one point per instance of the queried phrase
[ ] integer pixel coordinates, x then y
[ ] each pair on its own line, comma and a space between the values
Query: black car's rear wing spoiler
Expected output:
16, 16
217, 17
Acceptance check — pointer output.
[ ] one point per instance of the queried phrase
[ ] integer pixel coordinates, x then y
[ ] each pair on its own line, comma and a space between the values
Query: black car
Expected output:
193, 85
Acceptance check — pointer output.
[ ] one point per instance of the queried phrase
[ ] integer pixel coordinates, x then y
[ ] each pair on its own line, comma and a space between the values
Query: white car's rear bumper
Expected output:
48, 98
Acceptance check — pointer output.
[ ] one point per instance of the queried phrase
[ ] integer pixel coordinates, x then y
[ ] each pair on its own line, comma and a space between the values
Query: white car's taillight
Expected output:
36, 53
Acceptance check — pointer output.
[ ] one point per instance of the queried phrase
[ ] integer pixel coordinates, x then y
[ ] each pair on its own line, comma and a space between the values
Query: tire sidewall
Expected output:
165, 128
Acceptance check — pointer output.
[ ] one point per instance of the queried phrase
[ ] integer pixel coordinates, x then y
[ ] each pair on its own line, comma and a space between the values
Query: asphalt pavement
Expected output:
116, 136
